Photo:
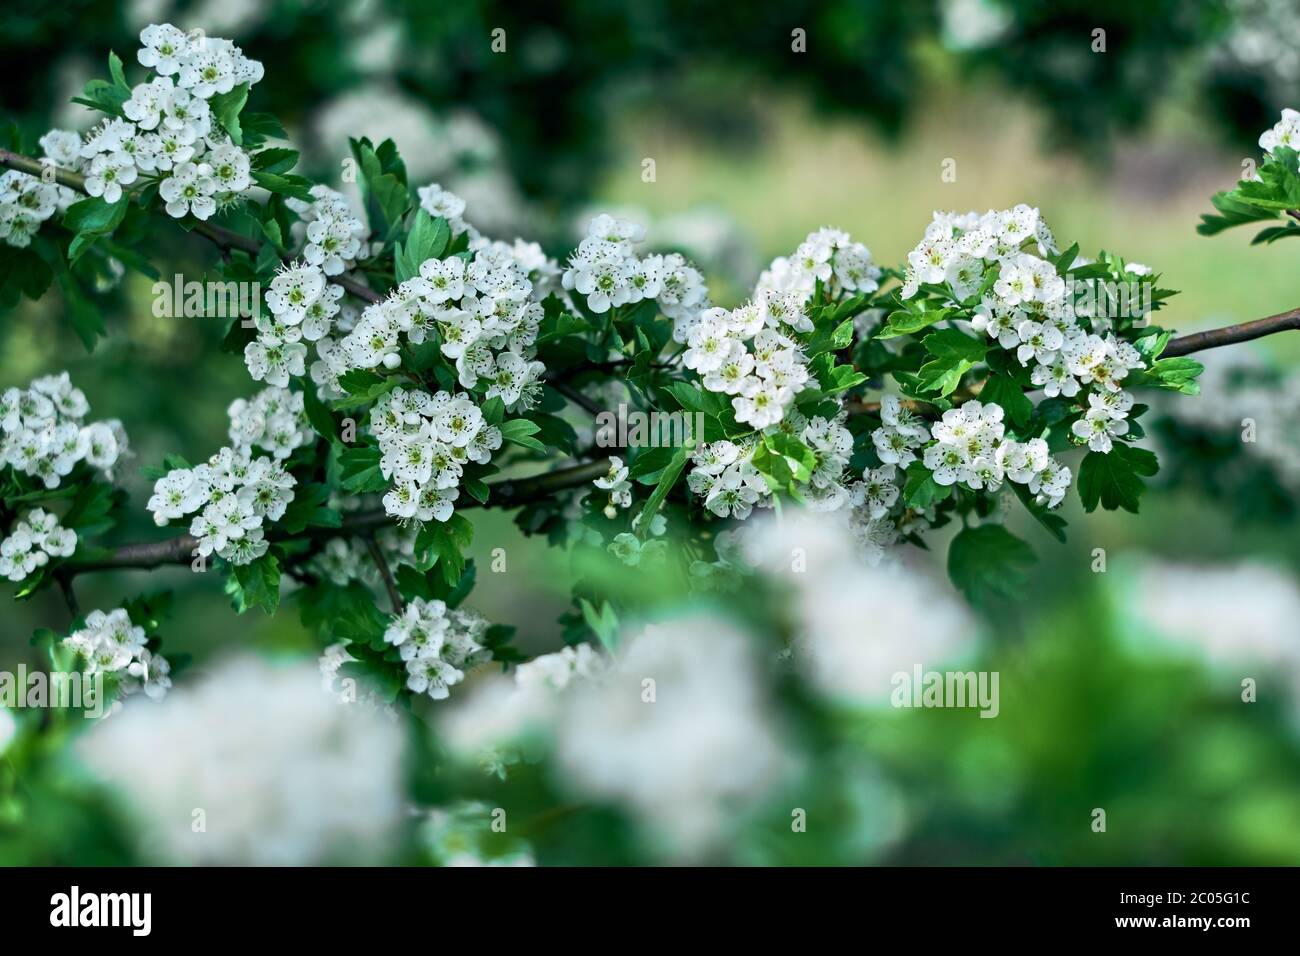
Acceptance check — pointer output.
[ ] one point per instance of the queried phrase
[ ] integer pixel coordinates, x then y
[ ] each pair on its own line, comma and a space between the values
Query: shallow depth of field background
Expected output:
748, 161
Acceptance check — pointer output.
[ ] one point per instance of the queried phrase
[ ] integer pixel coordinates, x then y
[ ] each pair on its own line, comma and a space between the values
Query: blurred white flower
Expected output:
255, 765
1227, 615
679, 732
860, 625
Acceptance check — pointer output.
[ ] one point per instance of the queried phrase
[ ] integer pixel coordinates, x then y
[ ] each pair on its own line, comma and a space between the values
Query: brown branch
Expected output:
509, 493
1232, 334
225, 239
385, 572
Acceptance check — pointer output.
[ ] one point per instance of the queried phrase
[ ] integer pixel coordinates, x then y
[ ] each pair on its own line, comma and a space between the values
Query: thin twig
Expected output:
509, 493
575, 396
224, 238
385, 572
69, 595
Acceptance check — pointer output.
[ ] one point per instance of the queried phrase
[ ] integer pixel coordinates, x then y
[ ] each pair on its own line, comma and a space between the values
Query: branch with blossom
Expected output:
405, 361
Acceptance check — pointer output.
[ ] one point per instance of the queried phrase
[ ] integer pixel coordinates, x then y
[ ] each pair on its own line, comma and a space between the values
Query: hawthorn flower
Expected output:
164, 48
189, 189
879, 492
108, 173
445, 279
1286, 132
1099, 427
442, 203
1038, 341
616, 475
230, 168
293, 290
274, 363
1051, 484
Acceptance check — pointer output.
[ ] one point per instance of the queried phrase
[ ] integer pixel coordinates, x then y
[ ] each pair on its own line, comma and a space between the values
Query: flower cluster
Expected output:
971, 447
301, 781
444, 204
1286, 132
274, 420
827, 256
424, 442
750, 354
232, 493
27, 201
1028, 310
438, 644
606, 270
112, 644
169, 129
615, 482
689, 765
491, 723
303, 305
42, 434
35, 538
484, 314
332, 236
343, 560
725, 477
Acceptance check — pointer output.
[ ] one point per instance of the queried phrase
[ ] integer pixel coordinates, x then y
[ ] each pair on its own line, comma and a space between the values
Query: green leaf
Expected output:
921, 490
226, 108
427, 239
647, 467
1005, 391
1176, 374
360, 470
667, 479
278, 160
909, 322
827, 339
520, 432
259, 127
603, 622
1234, 212
799, 460
955, 353
448, 540
318, 414
309, 509
386, 194
1115, 480
256, 584
363, 387
560, 325
87, 319
295, 187
89, 514
989, 562
104, 96
1050, 520
93, 215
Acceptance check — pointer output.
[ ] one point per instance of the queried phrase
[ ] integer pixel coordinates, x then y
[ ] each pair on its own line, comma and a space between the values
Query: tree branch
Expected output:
1232, 334
510, 493
225, 239
377, 556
